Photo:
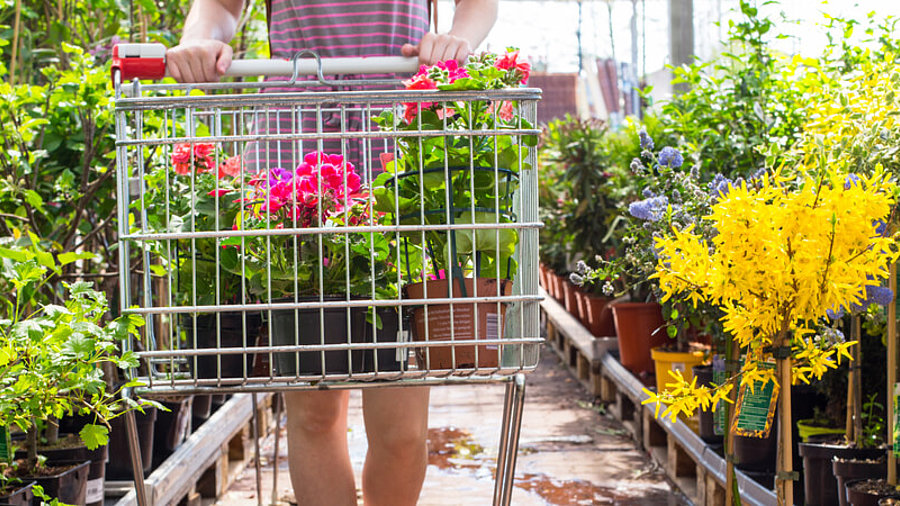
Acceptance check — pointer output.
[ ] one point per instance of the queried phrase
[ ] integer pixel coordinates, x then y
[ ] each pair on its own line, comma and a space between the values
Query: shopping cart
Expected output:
263, 262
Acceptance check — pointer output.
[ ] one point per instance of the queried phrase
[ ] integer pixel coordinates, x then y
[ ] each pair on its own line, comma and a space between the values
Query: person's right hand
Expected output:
198, 60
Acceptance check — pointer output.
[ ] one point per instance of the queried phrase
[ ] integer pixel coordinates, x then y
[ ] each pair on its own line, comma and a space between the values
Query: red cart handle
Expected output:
138, 61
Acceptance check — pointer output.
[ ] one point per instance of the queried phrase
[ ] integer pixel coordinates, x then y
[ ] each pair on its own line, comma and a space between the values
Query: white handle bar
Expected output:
148, 61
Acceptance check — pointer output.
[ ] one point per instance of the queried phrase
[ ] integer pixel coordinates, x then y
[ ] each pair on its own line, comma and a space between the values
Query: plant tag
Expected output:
754, 411
493, 323
4, 445
94, 491
719, 377
402, 353
896, 445
679, 366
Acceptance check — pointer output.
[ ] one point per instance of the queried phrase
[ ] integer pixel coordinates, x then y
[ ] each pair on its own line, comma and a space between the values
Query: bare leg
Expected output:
396, 427
320, 467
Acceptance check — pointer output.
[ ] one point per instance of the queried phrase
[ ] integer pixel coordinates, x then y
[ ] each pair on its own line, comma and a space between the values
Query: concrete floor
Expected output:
570, 452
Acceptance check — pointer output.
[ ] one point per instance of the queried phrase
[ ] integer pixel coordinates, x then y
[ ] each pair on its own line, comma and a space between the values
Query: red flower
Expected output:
420, 81
231, 167
202, 157
218, 193
509, 63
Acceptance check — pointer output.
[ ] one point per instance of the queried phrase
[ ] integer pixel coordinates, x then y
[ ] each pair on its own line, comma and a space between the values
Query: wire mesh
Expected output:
281, 239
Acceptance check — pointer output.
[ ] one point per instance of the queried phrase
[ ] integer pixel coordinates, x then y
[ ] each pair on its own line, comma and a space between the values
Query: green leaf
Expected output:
94, 436
67, 258
16, 255
671, 330
34, 199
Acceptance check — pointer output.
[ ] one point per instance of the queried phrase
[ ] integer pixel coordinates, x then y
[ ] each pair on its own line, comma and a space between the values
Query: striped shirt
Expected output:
333, 28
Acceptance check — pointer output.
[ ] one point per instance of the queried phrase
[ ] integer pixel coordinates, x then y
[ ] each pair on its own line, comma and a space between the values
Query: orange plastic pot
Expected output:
639, 329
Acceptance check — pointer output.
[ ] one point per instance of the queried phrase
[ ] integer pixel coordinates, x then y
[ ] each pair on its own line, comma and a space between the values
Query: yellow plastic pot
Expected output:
666, 361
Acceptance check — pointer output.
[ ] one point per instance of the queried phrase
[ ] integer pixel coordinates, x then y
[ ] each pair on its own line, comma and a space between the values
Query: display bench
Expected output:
697, 470
208, 461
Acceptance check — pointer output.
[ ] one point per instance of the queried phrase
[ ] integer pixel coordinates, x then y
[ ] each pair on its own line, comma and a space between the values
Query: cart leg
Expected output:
259, 499
279, 399
509, 440
137, 466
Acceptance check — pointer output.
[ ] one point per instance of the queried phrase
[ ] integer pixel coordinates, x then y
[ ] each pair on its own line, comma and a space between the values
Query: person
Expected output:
396, 418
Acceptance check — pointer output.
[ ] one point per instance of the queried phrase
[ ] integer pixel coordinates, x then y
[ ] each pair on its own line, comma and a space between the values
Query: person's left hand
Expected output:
439, 47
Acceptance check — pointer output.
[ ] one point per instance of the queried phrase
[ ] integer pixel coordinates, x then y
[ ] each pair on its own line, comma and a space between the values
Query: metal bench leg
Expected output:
513, 403
137, 466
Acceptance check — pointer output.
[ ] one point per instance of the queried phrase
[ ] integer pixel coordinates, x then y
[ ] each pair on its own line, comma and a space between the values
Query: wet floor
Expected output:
570, 452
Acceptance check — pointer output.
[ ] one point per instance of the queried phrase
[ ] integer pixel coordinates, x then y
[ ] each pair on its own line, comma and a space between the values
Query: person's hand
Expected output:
439, 47
198, 61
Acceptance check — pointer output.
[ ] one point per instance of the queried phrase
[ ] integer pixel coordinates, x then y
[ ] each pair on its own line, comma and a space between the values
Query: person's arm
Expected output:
472, 21
204, 53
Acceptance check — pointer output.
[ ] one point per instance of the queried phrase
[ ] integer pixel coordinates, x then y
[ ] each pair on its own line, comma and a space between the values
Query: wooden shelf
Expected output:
695, 468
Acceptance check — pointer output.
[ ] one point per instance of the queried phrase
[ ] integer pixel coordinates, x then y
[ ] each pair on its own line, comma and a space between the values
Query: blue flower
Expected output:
719, 186
875, 294
646, 140
648, 193
880, 227
651, 209
670, 157
852, 179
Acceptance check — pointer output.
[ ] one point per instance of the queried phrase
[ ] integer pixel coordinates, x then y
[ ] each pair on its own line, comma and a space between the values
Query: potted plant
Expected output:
452, 181
53, 361
293, 263
197, 188
785, 221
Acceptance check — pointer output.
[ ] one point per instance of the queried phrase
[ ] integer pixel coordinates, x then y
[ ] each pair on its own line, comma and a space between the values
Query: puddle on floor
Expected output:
576, 492
450, 447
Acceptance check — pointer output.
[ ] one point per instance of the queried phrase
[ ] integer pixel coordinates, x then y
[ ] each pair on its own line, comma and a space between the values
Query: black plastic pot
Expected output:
226, 331
849, 470
172, 427
200, 409
704, 375
306, 327
22, 496
819, 482
860, 498
386, 360
68, 485
96, 472
755, 454
118, 467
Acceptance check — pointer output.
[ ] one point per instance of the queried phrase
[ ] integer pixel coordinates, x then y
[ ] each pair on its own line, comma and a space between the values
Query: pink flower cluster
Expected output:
427, 79
446, 72
322, 179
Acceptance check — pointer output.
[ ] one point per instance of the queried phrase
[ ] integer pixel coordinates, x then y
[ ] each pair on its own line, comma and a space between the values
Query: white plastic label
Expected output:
94, 491
494, 322
402, 353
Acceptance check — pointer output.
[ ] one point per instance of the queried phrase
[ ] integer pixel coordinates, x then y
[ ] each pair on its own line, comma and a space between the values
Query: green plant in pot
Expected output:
55, 359
459, 186
306, 257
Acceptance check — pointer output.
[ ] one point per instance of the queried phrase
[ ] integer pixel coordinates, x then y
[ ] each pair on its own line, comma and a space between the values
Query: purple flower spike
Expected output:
651, 209
851, 180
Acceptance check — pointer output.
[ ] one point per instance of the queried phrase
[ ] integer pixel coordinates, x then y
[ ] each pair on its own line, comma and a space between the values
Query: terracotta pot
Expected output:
638, 330
544, 277
599, 316
556, 283
569, 297
486, 317
581, 304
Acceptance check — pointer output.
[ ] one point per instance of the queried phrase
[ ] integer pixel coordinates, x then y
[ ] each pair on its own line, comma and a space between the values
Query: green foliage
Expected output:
736, 106
52, 356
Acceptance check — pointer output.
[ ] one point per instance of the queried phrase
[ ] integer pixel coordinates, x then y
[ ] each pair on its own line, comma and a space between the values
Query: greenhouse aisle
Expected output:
570, 453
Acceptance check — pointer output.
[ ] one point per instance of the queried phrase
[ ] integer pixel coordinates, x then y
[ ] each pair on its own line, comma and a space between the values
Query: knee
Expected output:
402, 445
314, 418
